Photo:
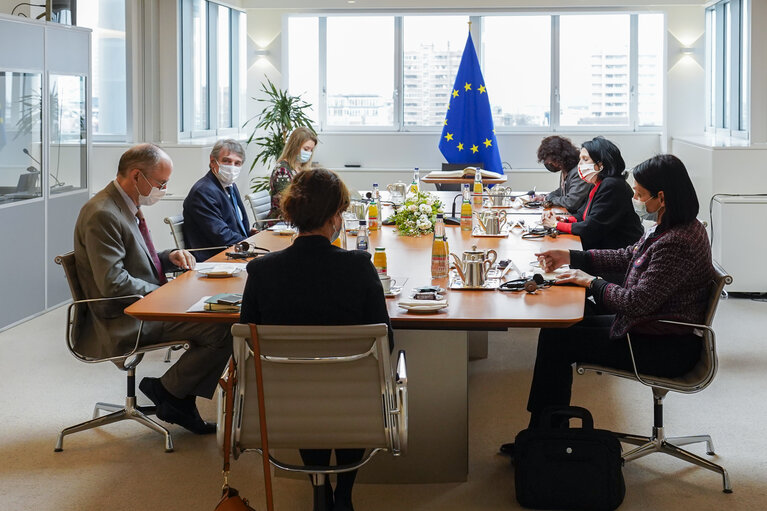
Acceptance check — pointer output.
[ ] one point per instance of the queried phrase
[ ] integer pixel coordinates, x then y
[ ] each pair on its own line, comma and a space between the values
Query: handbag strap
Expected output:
228, 387
262, 417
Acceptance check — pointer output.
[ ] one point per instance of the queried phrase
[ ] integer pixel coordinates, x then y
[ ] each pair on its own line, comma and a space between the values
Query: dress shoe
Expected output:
175, 410
507, 450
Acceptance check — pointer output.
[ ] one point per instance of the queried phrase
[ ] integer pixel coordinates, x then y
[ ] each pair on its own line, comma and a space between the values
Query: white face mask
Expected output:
228, 174
305, 156
587, 172
155, 194
640, 208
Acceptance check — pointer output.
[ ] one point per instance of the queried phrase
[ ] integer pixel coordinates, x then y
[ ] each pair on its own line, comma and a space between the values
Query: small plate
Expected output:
423, 309
218, 273
286, 232
479, 234
394, 291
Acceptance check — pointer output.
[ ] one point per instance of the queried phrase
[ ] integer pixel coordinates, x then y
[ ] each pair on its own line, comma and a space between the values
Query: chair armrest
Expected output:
401, 367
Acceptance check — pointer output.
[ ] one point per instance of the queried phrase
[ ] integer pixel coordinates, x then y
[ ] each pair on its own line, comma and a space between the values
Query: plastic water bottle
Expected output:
376, 194
362, 236
414, 184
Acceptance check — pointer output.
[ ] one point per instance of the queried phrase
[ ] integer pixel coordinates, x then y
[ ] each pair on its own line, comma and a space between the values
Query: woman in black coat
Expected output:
313, 282
607, 220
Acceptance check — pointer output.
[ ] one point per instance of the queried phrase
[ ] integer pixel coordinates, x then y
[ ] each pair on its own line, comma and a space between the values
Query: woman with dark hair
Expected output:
607, 219
558, 154
668, 276
337, 287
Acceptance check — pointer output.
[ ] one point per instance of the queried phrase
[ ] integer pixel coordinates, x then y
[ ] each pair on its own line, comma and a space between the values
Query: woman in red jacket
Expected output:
607, 219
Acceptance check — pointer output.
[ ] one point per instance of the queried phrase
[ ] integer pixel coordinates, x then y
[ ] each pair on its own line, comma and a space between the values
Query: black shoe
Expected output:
175, 410
507, 450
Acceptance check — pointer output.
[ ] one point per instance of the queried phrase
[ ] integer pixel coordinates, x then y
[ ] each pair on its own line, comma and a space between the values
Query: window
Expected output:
543, 72
212, 49
109, 78
727, 68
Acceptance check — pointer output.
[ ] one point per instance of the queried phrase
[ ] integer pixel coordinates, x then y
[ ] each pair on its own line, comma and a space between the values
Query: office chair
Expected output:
176, 223
696, 380
77, 313
325, 387
260, 203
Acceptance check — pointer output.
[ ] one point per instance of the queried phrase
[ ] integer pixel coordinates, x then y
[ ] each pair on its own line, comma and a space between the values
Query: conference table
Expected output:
439, 345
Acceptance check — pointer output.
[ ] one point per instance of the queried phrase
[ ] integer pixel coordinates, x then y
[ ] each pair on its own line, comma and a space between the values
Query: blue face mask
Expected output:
305, 156
640, 208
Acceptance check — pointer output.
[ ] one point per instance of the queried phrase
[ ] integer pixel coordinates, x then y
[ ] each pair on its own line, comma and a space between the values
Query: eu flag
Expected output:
468, 135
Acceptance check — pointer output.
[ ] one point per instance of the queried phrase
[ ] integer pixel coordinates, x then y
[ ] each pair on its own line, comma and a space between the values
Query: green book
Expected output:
224, 302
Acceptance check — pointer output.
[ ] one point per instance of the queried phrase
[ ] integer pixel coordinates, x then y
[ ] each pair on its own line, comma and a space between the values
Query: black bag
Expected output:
568, 468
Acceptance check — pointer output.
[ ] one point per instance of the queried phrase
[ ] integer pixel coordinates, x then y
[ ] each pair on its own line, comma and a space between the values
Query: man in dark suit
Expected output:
214, 214
115, 257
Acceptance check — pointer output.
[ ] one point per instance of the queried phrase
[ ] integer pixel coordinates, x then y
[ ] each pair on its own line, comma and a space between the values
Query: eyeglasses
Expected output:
162, 184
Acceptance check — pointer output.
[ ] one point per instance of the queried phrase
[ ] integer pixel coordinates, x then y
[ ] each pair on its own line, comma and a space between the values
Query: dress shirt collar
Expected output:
131, 205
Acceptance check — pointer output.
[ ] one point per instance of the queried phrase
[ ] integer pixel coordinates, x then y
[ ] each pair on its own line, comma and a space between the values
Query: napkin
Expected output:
412, 302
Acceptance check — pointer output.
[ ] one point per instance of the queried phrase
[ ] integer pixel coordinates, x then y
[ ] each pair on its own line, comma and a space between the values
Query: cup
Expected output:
387, 282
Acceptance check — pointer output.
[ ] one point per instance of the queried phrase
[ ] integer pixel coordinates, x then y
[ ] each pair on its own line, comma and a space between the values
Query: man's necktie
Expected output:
237, 211
150, 246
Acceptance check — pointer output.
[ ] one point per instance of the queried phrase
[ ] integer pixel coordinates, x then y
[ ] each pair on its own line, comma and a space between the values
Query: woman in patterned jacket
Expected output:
295, 157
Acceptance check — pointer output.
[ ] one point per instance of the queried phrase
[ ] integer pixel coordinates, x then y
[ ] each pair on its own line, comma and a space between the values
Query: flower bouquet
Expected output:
417, 214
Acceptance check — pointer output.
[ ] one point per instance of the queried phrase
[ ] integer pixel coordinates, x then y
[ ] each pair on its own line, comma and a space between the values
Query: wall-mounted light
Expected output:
687, 51
261, 53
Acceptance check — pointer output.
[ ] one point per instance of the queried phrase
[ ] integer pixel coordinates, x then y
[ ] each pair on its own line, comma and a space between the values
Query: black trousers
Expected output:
345, 480
589, 341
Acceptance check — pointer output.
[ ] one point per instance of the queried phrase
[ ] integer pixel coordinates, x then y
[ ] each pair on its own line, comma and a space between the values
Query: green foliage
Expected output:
282, 114
417, 215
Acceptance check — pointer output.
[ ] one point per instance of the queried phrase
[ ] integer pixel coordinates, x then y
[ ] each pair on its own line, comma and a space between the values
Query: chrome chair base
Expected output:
117, 413
659, 443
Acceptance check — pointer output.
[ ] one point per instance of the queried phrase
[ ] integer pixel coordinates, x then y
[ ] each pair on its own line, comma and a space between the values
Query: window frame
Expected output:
725, 39
477, 23
186, 80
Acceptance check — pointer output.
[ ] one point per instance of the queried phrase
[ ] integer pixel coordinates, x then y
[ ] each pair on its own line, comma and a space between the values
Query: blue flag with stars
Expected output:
468, 135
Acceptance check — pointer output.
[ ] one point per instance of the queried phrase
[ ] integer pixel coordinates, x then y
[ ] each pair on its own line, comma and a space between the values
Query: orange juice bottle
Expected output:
373, 216
477, 189
466, 212
379, 261
439, 262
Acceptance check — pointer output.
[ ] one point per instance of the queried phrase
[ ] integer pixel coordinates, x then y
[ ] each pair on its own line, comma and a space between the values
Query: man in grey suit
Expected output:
115, 256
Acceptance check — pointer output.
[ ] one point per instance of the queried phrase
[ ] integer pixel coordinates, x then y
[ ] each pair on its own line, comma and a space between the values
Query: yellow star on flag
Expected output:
449, 136
474, 149
488, 142
455, 93
460, 146
448, 107
482, 89
445, 122
467, 87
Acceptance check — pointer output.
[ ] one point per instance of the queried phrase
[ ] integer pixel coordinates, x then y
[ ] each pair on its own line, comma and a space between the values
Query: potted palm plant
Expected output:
282, 113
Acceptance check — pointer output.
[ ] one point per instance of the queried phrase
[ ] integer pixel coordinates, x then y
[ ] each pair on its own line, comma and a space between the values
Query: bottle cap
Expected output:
375, 184
363, 222
440, 215
380, 249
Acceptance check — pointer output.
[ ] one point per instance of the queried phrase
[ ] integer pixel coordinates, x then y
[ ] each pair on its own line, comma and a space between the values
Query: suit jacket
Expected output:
314, 283
210, 219
112, 260
610, 219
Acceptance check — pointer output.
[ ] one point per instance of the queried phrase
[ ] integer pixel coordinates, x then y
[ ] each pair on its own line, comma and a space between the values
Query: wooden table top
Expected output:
470, 180
407, 258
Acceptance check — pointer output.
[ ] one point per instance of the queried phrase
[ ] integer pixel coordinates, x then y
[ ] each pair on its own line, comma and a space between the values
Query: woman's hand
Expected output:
550, 260
577, 277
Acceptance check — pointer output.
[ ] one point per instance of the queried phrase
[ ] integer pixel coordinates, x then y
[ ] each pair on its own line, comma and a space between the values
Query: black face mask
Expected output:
550, 167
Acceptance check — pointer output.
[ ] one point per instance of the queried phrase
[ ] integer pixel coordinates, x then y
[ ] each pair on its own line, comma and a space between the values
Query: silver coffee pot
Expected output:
498, 195
474, 265
491, 221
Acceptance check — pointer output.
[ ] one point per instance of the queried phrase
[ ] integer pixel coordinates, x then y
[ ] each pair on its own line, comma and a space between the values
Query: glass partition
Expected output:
20, 136
68, 149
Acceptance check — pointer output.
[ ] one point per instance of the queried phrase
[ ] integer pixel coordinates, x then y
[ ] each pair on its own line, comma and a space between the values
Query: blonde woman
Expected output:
296, 156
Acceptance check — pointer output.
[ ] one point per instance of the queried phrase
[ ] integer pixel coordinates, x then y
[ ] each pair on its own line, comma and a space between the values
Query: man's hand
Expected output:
552, 259
577, 277
183, 259
253, 231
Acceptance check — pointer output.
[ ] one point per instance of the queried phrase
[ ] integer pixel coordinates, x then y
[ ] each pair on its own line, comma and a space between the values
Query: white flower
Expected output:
425, 208
424, 226
430, 200
423, 218
412, 207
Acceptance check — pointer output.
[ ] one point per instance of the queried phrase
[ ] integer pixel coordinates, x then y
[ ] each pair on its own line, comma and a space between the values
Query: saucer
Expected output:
394, 291
423, 309
219, 273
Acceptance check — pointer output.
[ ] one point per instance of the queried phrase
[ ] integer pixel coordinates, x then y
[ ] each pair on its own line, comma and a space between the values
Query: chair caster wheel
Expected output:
58, 449
726, 491
711, 453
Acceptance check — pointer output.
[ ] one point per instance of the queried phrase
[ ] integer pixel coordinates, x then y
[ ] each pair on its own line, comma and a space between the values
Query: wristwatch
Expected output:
591, 284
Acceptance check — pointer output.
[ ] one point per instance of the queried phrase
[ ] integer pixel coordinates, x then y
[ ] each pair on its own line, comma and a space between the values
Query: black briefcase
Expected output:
578, 468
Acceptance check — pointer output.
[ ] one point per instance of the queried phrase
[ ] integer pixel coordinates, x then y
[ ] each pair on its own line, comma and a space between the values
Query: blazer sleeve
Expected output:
205, 211
106, 254
577, 190
605, 213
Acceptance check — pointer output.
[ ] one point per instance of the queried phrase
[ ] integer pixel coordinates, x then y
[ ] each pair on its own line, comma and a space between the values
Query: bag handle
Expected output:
576, 412
262, 417
228, 386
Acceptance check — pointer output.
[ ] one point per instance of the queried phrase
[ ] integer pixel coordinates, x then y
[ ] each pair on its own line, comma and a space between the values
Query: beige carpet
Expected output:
123, 466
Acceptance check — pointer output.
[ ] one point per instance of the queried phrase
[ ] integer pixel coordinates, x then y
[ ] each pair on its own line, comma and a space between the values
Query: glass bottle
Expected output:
477, 189
414, 184
466, 211
439, 266
373, 214
379, 260
362, 236
376, 194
